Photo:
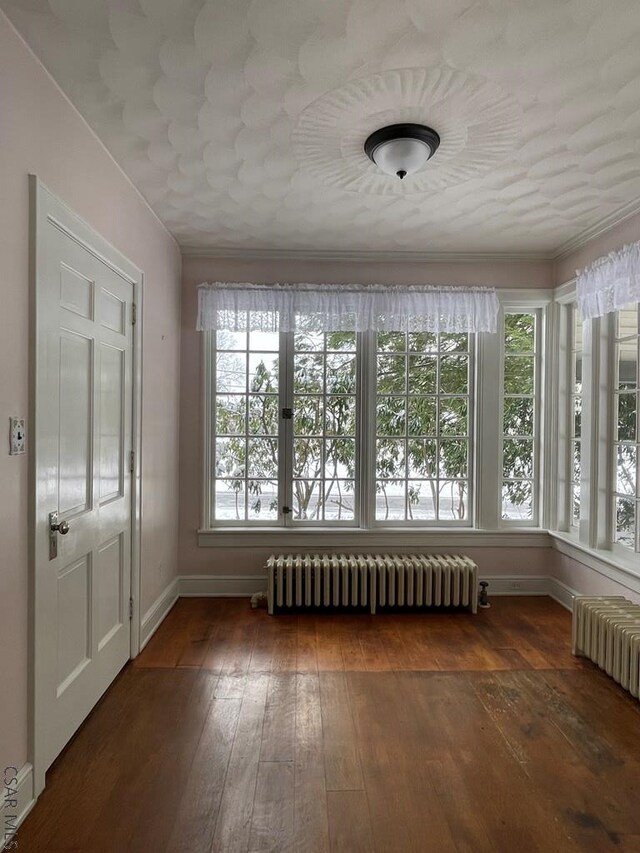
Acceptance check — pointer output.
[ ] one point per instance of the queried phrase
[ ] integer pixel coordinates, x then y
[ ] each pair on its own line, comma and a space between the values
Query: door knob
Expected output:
61, 527
55, 526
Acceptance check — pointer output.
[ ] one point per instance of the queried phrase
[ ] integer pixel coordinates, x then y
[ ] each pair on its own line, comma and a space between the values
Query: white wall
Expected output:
41, 133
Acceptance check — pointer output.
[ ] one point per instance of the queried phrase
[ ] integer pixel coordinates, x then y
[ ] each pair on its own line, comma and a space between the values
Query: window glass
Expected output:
324, 426
575, 416
244, 480
625, 491
422, 427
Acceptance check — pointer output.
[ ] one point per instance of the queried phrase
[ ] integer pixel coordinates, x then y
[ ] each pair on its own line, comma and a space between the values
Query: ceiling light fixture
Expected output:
402, 149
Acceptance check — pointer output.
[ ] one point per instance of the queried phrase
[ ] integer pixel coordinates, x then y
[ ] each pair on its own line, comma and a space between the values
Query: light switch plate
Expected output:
16, 436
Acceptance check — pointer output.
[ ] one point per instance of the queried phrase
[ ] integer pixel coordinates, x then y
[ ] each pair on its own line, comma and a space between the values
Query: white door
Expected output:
83, 441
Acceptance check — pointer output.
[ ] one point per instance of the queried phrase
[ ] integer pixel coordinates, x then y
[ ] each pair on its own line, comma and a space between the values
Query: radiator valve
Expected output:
258, 599
483, 598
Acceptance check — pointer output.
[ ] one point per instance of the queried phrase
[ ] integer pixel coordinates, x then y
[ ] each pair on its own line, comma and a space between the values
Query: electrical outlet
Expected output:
516, 584
16, 436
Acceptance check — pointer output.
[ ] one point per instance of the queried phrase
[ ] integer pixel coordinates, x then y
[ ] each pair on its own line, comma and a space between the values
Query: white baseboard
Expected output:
531, 585
154, 616
221, 586
16, 803
244, 586
562, 593
516, 584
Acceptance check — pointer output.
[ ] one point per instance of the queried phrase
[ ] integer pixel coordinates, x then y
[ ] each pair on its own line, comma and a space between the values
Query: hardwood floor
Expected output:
236, 731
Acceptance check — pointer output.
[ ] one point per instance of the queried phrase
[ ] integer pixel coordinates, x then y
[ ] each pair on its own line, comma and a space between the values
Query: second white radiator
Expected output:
607, 631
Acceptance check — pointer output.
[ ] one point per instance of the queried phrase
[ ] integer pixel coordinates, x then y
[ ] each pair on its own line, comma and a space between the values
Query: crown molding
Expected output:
603, 226
362, 255
608, 223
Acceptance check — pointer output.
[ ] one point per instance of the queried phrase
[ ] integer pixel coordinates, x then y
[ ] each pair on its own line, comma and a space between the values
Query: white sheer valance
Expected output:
341, 308
610, 283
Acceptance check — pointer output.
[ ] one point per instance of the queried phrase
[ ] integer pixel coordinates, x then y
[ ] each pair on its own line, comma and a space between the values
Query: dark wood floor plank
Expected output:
263, 646
197, 809
306, 650
199, 633
272, 819
405, 812
349, 636
128, 807
341, 756
165, 647
233, 825
284, 655
311, 825
349, 825
328, 650
279, 727
170, 766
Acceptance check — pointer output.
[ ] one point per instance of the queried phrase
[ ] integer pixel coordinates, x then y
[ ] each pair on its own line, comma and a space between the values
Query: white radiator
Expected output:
607, 630
369, 580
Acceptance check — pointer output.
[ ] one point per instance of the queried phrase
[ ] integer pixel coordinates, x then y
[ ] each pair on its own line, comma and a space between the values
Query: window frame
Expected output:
572, 317
372, 438
288, 439
365, 473
538, 487
485, 423
210, 396
613, 394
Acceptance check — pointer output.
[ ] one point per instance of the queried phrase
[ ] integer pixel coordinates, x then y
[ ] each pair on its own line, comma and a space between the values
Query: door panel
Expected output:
110, 579
76, 292
83, 437
76, 430
74, 621
113, 312
112, 428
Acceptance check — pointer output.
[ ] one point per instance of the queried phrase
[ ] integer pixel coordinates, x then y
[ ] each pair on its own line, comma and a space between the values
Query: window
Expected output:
575, 414
422, 427
625, 495
308, 429
245, 400
520, 416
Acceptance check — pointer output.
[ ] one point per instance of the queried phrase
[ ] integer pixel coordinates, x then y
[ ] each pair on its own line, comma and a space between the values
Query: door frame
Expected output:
44, 205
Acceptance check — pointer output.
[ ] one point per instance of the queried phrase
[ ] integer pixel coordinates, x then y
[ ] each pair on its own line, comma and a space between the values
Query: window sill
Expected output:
388, 537
614, 565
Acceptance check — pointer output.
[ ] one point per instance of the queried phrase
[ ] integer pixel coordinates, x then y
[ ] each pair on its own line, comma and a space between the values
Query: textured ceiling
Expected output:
242, 121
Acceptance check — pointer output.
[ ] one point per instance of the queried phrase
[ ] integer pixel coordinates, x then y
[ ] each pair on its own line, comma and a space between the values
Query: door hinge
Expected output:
287, 414
132, 461
131, 608
134, 313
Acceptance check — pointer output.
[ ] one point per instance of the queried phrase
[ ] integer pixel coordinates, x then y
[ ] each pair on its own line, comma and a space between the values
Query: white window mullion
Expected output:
365, 457
594, 529
208, 404
546, 462
561, 356
285, 437
488, 419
